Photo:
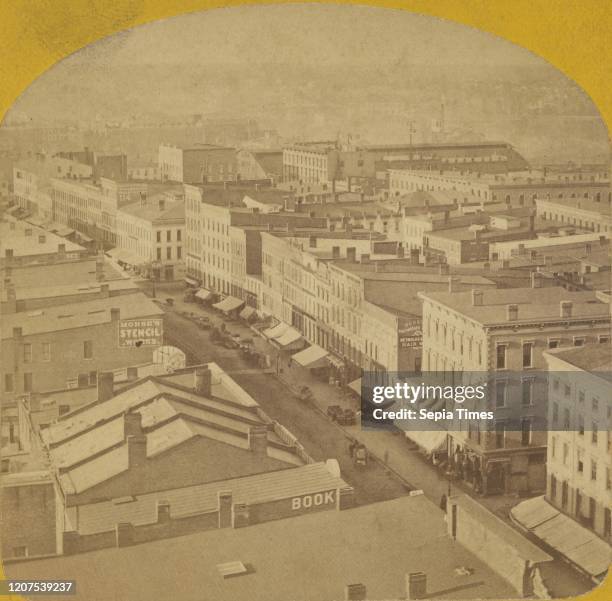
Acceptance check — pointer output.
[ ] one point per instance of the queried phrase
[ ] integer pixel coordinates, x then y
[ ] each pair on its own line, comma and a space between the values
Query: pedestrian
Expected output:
443, 502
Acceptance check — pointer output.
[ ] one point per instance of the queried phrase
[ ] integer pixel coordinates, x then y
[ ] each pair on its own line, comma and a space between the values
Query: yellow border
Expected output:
570, 34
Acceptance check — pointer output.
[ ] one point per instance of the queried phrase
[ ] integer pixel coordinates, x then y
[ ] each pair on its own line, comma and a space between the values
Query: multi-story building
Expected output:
197, 164
579, 460
516, 189
259, 164
67, 345
311, 162
32, 182
150, 235
501, 335
589, 211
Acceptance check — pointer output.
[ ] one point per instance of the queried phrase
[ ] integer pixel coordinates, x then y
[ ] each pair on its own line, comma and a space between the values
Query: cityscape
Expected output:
228, 239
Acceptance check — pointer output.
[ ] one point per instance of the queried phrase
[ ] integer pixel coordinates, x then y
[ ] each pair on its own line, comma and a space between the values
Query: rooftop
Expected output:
152, 211
590, 357
78, 315
26, 239
541, 304
87, 287
376, 544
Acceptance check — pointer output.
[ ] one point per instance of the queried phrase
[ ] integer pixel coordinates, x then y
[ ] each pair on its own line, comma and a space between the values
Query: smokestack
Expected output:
258, 440
566, 308
106, 380
202, 381
416, 586
477, 298
512, 312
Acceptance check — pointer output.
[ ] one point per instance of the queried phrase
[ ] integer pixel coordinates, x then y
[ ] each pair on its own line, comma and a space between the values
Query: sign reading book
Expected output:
140, 332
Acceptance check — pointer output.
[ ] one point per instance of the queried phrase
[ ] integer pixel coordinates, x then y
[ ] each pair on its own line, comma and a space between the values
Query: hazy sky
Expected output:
310, 34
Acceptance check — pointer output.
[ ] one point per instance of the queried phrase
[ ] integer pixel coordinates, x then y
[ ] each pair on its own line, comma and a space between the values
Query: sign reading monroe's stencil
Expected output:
140, 332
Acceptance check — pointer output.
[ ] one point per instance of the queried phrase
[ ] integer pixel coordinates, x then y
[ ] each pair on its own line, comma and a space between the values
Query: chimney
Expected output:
11, 297
446, 216
531, 223
453, 284
240, 515
548, 261
400, 251
355, 592
349, 228
258, 440
521, 249
443, 269
42, 239
202, 381
335, 252
603, 241
8, 254
512, 312
132, 424
312, 241
351, 254
61, 251
163, 511
105, 385
536, 281
99, 270
105, 290
137, 450
17, 332
588, 248
416, 586
477, 298
566, 308
224, 503
365, 258
115, 314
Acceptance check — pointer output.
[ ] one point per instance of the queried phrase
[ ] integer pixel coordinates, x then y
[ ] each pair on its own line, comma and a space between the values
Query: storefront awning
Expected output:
313, 356
203, 294
289, 337
229, 303
355, 386
579, 544
191, 282
336, 361
248, 313
431, 441
276, 331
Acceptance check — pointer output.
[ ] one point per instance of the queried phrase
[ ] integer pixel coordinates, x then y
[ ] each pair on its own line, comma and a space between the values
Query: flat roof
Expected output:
25, 245
150, 210
305, 558
533, 303
590, 357
89, 287
78, 315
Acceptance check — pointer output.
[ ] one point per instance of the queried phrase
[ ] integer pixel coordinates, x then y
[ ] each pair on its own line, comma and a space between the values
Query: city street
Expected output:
398, 466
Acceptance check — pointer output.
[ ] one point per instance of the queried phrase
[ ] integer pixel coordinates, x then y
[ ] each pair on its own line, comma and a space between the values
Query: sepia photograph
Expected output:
304, 302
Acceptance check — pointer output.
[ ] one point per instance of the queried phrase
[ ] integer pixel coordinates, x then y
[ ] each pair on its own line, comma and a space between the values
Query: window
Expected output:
179, 234
604, 339
27, 382
9, 383
525, 432
27, 353
93, 378
500, 435
594, 433
21, 551
500, 394
608, 478
553, 343
567, 391
179, 252
159, 254
169, 252
555, 413
565, 453
46, 351
595, 404
580, 425
88, 349
581, 396
527, 354
566, 419
527, 392
500, 362
580, 461
593, 470
555, 384
578, 341
159, 236
168, 235
553, 447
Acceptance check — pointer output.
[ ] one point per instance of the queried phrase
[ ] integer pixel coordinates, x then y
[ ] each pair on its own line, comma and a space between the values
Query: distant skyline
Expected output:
338, 67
